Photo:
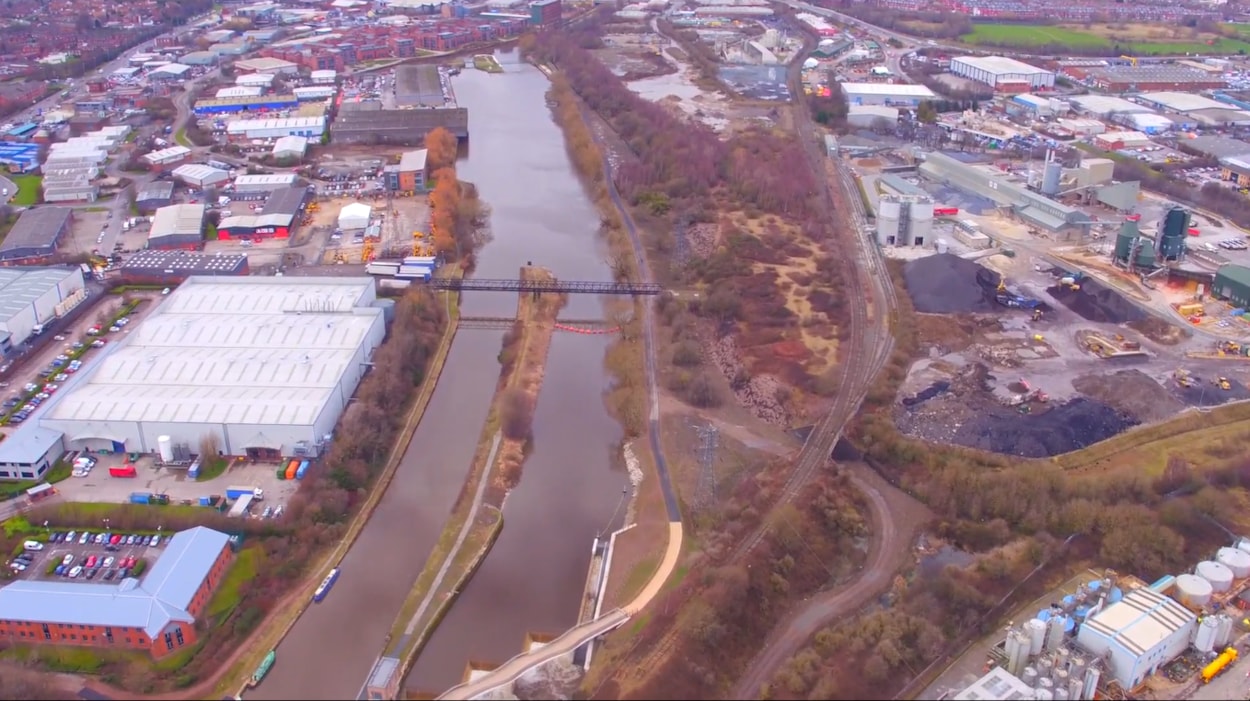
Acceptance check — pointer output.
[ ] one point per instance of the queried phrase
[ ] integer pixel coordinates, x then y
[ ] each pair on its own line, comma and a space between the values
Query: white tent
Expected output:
355, 216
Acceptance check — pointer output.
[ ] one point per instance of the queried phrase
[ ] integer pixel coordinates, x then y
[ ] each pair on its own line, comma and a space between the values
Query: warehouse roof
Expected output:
1182, 101
198, 171
1000, 65
287, 200
263, 63
242, 126
254, 221
156, 190
1140, 621
246, 350
27, 444
1153, 74
160, 598
167, 154
183, 262
898, 90
413, 160
274, 179
20, 287
1106, 104
254, 79
290, 144
1238, 274
997, 684
37, 228
173, 69
1216, 146
178, 220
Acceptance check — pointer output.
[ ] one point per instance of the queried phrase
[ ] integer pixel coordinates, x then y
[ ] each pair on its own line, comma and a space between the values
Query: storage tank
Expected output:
1060, 694
1124, 240
1017, 649
1236, 560
1220, 577
1045, 683
889, 211
942, 246
1193, 591
1244, 544
1062, 655
1076, 684
1172, 233
1081, 612
1060, 678
1051, 174
1069, 602
1224, 633
1092, 676
1204, 639
1077, 669
1116, 594
920, 225
165, 446
1029, 676
1054, 632
1037, 636
1043, 695
1043, 615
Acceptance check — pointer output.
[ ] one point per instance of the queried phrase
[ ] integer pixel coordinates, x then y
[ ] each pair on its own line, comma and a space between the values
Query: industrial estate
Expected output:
922, 335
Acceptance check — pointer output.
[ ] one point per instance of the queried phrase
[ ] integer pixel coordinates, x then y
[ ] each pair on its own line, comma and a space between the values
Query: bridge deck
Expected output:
568, 286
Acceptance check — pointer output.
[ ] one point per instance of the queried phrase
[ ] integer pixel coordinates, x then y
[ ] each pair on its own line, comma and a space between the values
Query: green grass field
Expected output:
1027, 35
27, 190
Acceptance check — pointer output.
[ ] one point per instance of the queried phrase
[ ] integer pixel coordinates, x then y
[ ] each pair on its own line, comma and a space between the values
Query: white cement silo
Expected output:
1204, 638
1037, 636
165, 446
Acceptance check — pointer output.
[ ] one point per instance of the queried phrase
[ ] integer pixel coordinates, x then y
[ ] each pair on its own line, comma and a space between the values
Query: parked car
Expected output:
108, 561
68, 560
32, 545
75, 572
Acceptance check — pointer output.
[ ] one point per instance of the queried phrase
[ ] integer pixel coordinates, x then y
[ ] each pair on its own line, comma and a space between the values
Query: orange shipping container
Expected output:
291, 468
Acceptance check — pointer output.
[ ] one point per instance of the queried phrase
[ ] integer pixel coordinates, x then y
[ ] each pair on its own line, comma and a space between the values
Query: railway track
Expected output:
871, 342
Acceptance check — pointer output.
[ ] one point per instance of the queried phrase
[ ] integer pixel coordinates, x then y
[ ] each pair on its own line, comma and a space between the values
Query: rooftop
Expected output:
997, 684
178, 220
26, 444
1237, 273
1152, 74
20, 287
1000, 65
272, 179
263, 64
156, 190
241, 126
1141, 620
160, 598
246, 350
198, 171
286, 200
896, 90
186, 262
36, 228
1106, 104
167, 154
413, 160
1182, 101
420, 85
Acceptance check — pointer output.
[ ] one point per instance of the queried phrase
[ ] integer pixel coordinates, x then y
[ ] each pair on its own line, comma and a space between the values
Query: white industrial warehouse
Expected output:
32, 297
898, 95
1002, 73
311, 127
263, 365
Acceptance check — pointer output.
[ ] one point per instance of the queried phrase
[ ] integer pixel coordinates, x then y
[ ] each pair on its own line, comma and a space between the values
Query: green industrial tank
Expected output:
1172, 235
1124, 240
1146, 255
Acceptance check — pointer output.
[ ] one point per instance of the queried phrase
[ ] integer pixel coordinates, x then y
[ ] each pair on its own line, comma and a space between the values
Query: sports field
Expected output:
1142, 40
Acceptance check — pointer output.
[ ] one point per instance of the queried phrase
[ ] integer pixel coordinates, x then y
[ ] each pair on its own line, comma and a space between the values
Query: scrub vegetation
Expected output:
277, 552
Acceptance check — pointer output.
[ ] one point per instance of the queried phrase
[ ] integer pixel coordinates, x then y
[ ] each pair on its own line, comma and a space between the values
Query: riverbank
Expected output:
470, 532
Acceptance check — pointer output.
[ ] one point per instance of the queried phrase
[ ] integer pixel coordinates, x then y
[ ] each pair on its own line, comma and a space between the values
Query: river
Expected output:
569, 492
533, 579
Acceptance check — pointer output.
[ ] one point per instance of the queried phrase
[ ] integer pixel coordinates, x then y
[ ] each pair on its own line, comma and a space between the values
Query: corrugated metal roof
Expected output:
20, 287
234, 350
413, 161
37, 229
27, 443
160, 598
178, 220
1141, 620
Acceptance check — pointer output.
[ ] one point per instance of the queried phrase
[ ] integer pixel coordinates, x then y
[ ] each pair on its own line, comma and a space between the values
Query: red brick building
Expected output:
156, 613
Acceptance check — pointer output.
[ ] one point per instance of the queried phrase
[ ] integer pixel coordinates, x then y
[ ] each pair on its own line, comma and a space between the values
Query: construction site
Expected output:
1110, 636
398, 226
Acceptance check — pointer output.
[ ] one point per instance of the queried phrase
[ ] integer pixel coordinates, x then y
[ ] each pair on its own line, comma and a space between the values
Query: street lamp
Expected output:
106, 524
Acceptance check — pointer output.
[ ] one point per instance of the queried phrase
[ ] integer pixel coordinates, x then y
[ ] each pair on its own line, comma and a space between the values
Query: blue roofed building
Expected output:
156, 613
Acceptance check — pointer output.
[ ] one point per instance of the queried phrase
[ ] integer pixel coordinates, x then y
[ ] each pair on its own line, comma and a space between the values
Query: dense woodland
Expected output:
316, 516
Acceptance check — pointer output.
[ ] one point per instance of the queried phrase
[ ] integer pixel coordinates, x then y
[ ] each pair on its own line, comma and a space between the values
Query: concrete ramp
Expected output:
511, 670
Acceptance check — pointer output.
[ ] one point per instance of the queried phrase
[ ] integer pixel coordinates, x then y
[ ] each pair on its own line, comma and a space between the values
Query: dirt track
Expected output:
896, 518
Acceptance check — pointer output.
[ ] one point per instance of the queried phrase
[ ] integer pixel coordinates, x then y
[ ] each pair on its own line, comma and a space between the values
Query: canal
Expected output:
532, 580
569, 492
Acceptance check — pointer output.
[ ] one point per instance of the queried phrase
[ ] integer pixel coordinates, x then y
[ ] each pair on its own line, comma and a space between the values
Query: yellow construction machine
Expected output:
1182, 378
366, 253
1222, 383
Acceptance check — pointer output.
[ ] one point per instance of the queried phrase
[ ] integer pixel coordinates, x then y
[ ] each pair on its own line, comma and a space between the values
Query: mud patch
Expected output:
1131, 392
1096, 302
1160, 331
1205, 392
947, 284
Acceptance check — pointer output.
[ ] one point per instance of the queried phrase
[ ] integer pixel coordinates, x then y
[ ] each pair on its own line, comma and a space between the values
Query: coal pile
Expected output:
947, 284
1097, 302
1061, 429
927, 393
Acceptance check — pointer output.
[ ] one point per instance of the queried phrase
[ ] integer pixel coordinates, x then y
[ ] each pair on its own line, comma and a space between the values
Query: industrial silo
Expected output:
1193, 591
1220, 577
1029, 676
1092, 677
1037, 636
1060, 677
1054, 632
1172, 233
1115, 595
1244, 544
1017, 649
1236, 560
920, 223
1204, 638
1146, 257
889, 212
1043, 695
1124, 240
1224, 633
1061, 694
1051, 174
